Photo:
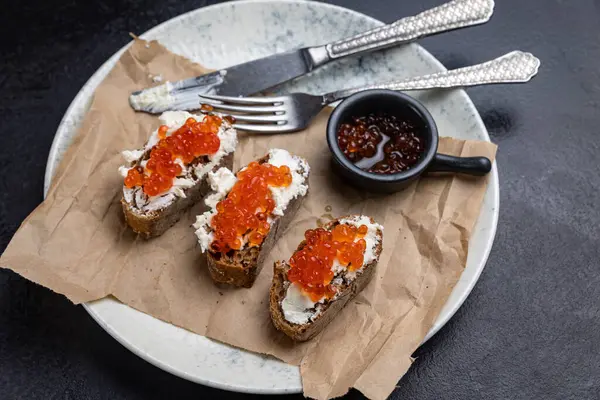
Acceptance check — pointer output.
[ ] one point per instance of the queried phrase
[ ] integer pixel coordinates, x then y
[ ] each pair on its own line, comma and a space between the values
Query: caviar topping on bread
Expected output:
249, 212
327, 270
168, 175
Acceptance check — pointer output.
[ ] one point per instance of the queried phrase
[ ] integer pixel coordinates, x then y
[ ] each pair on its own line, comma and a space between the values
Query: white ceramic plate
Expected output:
226, 34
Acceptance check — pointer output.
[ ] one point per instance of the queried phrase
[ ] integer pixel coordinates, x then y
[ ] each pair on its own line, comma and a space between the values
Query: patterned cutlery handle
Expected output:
514, 67
453, 15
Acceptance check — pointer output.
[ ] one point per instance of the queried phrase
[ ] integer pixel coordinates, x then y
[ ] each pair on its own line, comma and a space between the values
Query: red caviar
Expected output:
135, 177
162, 131
193, 139
245, 210
229, 119
311, 266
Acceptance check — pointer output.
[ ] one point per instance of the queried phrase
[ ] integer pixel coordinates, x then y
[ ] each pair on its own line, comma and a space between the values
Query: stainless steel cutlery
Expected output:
258, 75
294, 111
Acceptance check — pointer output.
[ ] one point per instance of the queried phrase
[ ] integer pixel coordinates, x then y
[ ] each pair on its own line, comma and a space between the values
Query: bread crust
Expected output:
157, 222
304, 332
241, 267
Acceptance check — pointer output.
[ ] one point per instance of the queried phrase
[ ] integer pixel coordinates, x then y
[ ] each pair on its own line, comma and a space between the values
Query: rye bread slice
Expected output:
347, 290
156, 222
241, 267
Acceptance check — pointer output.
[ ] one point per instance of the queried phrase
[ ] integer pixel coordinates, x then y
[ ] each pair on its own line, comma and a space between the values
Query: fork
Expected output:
294, 111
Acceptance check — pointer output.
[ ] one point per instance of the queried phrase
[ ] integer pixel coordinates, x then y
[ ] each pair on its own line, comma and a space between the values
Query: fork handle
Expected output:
514, 67
452, 15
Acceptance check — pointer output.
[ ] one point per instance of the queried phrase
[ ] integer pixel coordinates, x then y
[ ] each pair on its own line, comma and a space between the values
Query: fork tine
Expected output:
271, 128
260, 118
244, 100
247, 109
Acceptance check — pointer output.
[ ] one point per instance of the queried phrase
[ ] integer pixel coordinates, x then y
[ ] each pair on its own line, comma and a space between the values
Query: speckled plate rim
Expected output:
458, 296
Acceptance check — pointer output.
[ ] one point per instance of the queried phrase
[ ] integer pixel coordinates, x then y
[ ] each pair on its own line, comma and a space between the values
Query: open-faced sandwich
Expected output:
326, 271
168, 175
249, 212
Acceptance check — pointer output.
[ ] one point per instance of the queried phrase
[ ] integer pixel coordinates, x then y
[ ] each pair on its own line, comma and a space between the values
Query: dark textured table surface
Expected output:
529, 330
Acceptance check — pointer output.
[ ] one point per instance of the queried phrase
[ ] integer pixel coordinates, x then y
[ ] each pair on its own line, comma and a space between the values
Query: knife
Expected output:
255, 76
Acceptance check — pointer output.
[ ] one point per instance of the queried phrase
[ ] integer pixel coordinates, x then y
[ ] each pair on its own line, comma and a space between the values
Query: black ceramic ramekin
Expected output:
403, 107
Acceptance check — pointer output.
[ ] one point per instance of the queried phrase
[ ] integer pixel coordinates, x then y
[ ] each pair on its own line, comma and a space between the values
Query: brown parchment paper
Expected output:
76, 243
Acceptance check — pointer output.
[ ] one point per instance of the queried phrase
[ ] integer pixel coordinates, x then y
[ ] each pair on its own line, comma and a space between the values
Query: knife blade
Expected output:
240, 80
255, 76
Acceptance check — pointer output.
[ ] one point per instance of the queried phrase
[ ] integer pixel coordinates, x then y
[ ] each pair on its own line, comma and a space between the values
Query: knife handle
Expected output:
452, 15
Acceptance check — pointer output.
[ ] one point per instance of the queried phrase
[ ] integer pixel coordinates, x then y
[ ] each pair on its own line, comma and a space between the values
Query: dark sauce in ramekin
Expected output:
381, 143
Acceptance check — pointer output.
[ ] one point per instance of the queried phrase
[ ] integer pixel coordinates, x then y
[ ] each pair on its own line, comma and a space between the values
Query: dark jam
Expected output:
381, 143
